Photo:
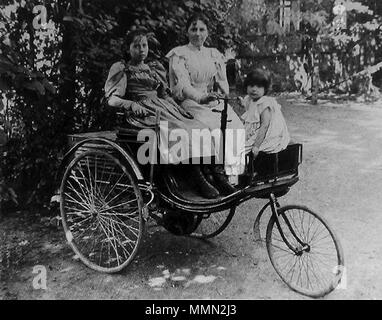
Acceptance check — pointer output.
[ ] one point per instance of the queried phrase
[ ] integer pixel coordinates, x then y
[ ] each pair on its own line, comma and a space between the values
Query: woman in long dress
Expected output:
194, 72
140, 88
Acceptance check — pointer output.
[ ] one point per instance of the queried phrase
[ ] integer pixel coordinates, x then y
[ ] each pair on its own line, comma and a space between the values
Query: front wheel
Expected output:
307, 254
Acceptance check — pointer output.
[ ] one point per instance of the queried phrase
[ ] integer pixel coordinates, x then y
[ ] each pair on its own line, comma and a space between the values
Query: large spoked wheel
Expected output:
101, 209
313, 263
215, 224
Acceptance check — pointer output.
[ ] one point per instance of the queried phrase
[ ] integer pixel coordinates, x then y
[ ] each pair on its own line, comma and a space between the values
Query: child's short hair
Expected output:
258, 77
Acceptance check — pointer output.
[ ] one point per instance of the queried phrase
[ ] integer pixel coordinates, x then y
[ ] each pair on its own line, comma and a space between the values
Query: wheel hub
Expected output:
301, 249
93, 211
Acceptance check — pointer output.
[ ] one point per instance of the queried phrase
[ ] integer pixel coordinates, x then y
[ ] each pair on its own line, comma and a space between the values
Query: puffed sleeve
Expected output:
160, 73
116, 82
159, 70
180, 82
221, 76
268, 102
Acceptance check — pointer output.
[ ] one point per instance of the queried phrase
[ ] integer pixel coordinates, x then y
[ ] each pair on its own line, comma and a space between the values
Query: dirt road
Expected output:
341, 177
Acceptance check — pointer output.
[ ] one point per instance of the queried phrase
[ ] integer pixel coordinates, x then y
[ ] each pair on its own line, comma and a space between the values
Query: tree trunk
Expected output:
67, 89
316, 74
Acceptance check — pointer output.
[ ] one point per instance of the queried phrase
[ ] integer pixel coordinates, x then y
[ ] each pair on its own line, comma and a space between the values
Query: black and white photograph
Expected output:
196, 152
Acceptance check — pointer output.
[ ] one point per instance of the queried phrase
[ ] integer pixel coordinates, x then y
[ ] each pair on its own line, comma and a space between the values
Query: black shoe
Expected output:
207, 172
204, 187
221, 181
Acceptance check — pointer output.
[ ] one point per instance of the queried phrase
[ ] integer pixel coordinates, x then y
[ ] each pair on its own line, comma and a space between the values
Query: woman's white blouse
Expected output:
194, 71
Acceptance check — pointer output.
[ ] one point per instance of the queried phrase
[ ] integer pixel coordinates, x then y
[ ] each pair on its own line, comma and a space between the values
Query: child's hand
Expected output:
241, 101
138, 109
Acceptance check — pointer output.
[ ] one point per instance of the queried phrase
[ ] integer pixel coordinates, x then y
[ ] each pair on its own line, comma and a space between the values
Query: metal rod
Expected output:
156, 146
223, 125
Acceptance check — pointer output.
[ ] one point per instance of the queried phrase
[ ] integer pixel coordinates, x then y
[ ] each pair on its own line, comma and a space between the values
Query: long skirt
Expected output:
234, 162
183, 138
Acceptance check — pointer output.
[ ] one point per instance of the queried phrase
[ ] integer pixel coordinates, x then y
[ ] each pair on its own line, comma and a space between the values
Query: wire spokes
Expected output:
101, 211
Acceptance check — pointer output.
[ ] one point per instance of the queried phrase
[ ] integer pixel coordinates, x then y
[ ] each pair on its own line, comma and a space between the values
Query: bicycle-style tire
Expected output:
315, 272
101, 209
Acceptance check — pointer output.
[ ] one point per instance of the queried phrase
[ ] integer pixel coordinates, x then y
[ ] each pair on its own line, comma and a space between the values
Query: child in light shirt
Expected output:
264, 123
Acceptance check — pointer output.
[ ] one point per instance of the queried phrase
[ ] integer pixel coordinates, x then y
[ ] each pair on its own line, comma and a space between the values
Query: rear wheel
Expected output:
313, 263
215, 224
101, 209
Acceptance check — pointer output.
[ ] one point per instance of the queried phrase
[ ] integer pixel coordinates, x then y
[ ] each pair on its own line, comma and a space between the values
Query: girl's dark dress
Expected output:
146, 85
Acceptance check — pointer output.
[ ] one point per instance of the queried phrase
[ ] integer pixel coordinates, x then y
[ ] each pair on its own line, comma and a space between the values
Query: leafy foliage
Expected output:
52, 77
339, 53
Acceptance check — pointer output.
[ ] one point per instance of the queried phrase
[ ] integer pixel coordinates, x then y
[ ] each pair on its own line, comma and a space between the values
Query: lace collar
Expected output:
196, 49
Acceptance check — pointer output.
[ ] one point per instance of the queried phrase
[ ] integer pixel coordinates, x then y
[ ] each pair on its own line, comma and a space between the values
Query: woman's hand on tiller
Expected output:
210, 97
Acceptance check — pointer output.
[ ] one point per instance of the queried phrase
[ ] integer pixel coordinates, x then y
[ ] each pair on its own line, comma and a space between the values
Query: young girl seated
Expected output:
264, 123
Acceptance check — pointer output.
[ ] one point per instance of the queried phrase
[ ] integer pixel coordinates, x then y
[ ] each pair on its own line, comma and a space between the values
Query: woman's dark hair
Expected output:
196, 17
258, 77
